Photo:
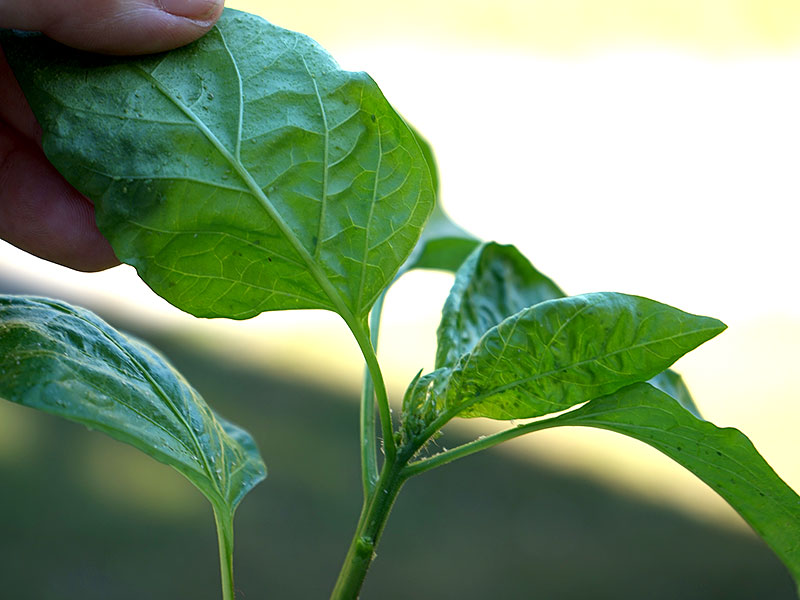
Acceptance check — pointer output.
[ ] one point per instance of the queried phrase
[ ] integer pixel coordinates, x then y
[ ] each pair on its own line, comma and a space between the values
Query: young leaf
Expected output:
422, 404
494, 283
66, 361
245, 172
563, 352
723, 458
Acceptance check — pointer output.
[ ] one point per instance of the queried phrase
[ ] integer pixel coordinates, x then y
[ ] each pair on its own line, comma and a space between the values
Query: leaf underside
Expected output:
66, 361
245, 172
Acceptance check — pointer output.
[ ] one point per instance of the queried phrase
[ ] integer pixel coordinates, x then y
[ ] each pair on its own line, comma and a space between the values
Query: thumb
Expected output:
114, 26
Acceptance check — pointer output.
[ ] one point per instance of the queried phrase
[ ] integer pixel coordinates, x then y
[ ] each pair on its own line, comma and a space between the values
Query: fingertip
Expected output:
203, 11
42, 214
83, 248
120, 26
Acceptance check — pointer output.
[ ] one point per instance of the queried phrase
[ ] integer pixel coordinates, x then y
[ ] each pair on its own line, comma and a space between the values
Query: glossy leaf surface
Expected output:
562, 352
245, 172
494, 283
722, 457
66, 361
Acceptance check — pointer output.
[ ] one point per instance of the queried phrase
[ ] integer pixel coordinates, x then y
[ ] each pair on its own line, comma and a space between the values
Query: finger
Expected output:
42, 214
14, 109
114, 26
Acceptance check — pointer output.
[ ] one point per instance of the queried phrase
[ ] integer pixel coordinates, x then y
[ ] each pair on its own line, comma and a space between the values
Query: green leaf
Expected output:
443, 245
494, 283
562, 352
245, 172
430, 158
672, 384
66, 361
723, 458
422, 404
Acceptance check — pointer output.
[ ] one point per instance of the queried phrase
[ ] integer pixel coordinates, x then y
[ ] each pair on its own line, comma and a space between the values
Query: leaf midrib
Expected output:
165, 397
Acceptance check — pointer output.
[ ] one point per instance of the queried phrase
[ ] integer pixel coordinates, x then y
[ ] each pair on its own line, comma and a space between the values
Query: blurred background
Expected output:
639, 146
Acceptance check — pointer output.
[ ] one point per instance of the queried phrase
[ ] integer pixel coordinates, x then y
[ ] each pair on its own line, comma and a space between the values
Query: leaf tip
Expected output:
716, 326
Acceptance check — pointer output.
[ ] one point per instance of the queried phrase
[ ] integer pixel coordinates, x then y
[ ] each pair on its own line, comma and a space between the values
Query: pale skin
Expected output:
39, 211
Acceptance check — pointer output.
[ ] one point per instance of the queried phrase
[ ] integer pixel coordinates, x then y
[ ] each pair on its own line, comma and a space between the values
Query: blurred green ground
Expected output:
80, 518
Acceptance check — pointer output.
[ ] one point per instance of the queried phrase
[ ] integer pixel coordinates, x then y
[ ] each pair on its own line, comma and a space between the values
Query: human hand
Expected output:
39, 211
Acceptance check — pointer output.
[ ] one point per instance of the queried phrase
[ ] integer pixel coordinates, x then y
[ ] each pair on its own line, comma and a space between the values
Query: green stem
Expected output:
369, 456
370, 526
224, 521
379, 502
437, 460
443, 419
360, 332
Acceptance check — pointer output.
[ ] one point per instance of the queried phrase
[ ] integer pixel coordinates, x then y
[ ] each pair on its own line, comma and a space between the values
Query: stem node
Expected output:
370, 526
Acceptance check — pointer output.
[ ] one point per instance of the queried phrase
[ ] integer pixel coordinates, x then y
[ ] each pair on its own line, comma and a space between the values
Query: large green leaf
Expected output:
494, 283
723, 458
66, 361
566, 351
245, 172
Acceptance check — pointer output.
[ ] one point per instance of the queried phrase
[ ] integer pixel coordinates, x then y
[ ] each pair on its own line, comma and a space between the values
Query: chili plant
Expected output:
247, 172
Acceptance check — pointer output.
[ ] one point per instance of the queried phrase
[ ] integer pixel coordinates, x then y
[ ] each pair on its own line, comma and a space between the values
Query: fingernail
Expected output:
198, 10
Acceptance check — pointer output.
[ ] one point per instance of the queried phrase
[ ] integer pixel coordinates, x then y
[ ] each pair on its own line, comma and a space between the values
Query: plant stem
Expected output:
370, 526
437, 460
224, 521
369, 452
369, 457
360, 332
444, 418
